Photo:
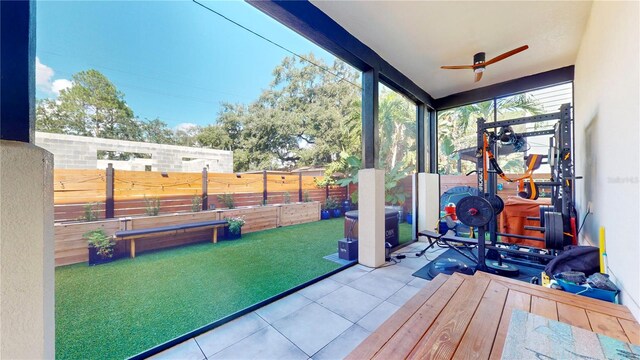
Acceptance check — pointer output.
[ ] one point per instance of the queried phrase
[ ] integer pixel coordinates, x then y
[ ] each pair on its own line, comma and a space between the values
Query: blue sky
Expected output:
172, 59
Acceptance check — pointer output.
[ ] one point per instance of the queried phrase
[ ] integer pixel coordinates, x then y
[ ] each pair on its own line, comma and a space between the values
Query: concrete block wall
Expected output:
80, 152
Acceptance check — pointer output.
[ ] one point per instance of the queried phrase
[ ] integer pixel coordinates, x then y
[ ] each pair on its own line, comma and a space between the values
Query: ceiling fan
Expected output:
479, 64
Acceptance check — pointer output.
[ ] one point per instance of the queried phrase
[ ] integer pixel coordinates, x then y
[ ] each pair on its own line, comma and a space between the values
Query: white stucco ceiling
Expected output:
417, 37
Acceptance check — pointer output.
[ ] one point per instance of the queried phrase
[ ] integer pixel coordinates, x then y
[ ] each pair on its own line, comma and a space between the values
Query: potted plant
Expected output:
234, 231
324, 213
100, 247
332, 206
409, 218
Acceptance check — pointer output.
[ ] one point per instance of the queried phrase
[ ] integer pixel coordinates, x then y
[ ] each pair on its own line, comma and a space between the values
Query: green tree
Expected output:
307, 116
156, 131
92, 106
457, 130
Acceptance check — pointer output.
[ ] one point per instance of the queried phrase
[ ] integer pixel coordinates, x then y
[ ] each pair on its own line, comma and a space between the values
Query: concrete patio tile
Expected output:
415, 263
188, 350
312, 327
228, 334
376, 285
403, 295
341, 346
320, 289
351, 274
418, 282
349, 303
267, 343
283, 307
395, 272
377, 316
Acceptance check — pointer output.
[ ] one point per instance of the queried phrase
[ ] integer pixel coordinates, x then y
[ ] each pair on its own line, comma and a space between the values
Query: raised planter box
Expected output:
71, 247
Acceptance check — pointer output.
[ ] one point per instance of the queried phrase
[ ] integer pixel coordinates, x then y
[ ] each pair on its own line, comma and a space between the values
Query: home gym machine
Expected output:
557, 222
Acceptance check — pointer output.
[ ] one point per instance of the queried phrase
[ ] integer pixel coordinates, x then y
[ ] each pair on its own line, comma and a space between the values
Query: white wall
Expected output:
607, 135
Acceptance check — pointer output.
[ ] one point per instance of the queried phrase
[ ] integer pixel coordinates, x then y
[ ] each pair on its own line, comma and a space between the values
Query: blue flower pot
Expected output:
325, 215
231, 236
346, 206
337, 213
409, 218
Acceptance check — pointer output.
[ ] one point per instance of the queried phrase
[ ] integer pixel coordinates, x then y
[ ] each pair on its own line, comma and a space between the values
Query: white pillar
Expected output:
429, 202
371, 217
27, 328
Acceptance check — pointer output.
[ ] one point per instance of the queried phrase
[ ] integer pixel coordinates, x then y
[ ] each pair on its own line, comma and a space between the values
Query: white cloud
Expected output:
60, 84
186, 127
44, 75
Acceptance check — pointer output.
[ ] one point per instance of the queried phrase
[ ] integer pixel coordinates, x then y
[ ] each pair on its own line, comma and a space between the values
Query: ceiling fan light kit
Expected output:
479, 63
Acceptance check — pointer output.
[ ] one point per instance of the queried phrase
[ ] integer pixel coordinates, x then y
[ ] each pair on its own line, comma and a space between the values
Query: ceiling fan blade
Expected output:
479, 76
506, 55
455, 67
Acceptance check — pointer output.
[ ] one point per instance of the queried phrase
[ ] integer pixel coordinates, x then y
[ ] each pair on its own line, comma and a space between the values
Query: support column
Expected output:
371, 217
370, 82
27, 328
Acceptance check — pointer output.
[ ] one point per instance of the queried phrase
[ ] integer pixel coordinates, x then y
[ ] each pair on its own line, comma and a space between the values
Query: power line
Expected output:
340, 78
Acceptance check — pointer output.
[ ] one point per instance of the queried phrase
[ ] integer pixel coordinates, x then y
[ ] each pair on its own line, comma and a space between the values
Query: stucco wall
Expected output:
27, 328
607, 135
80, 152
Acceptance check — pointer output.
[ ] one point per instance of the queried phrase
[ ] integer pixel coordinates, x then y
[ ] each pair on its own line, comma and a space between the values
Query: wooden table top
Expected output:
467, 317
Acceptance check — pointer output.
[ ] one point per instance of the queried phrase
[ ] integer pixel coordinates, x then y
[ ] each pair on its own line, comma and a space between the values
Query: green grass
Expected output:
119, 309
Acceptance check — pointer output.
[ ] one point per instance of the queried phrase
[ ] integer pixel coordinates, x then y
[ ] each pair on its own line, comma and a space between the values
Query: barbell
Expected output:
477, 211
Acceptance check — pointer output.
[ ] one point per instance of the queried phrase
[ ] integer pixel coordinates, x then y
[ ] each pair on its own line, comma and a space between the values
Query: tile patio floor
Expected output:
323, 321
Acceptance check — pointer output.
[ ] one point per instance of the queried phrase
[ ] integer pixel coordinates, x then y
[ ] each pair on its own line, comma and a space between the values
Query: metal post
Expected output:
420, 122
264, 187
109, 204
432, 144
300, 187
482, 266
18, 73
205, 189
370, 83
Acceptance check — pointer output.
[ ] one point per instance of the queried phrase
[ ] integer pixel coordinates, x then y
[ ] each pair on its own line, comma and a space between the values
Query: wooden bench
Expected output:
132, 235
467, 317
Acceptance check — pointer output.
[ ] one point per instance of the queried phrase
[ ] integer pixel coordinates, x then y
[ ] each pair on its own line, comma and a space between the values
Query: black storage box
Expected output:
348, 250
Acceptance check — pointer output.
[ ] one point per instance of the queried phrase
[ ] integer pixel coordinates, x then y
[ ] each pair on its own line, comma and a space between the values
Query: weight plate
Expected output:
474, 211
496, 203
553, 231
504, 269
543, 209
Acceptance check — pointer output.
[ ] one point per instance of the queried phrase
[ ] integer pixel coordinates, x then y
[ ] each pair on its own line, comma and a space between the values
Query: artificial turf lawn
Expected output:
120, 309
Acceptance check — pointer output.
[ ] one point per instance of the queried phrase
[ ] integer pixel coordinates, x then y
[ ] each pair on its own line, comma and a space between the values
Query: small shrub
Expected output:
331, 203
306, 197
152, 206
89, 212
196, 203
235, 224
287, 198
227, 200
102, 243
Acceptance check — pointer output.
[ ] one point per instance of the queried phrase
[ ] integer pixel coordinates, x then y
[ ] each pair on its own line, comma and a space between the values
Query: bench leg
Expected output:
215, 235
133, 248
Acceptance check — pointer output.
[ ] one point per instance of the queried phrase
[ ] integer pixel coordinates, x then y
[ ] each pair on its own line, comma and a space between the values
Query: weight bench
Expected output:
448, 238
132, 235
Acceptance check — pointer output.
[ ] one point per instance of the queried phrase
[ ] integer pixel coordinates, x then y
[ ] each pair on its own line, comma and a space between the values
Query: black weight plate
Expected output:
543, 209
504, 269
474, 211
496, 203
553, 231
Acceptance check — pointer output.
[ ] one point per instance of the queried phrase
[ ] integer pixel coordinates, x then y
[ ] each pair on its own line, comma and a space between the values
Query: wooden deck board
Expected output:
442, 340
405, 339
515, 300
474, 345
467, 317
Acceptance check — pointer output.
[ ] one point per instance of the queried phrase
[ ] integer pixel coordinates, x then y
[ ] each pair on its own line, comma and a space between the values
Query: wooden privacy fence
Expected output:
118, 193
